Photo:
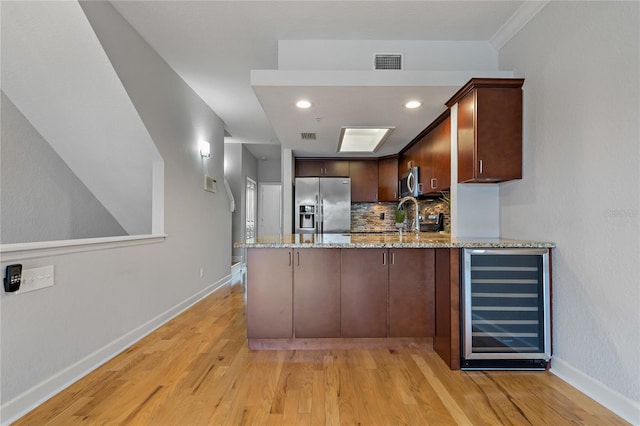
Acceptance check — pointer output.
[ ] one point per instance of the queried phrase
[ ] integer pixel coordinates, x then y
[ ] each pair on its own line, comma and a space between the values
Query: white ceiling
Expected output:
214, 46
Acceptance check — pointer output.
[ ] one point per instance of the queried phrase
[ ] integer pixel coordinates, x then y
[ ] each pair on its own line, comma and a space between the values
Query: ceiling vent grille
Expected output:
308, 136
388, 61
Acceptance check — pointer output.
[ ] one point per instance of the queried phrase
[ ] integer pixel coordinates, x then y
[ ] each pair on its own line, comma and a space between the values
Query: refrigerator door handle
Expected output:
321, 217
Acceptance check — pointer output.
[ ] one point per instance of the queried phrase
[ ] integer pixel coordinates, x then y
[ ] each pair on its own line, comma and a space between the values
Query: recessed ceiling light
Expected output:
303, 104
362, 139
413, 104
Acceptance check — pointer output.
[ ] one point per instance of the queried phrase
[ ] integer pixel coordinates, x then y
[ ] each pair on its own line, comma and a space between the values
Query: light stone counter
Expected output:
385, 240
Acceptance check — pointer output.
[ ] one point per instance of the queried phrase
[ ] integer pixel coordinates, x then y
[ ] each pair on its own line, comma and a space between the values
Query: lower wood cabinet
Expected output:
411, 293
269, 293
316, 293
388, 292
364, 292
349, 293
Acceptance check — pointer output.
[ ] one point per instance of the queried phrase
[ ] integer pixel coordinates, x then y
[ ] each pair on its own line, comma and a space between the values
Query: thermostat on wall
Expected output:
210, 184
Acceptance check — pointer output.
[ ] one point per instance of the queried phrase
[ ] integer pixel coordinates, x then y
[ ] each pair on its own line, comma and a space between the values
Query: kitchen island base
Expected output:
325, 291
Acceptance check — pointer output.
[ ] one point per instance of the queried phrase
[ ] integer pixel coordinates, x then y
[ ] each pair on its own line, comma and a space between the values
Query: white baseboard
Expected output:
614, 401
30, 399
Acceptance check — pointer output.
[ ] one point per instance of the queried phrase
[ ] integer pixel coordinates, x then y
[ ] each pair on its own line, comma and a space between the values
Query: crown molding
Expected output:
516, 22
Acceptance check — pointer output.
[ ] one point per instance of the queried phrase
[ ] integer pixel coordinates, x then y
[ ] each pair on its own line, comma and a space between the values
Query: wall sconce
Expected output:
205, 149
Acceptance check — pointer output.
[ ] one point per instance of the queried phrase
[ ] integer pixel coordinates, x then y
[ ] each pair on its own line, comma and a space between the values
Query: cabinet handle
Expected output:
289, 258
298, 257
393, 257
384, 257
434, 183
480, 166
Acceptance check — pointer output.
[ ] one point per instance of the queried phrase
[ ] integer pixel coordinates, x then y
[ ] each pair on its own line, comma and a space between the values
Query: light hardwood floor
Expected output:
197, 370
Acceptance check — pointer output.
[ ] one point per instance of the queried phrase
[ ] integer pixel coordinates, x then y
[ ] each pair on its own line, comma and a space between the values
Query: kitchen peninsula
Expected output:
312, 291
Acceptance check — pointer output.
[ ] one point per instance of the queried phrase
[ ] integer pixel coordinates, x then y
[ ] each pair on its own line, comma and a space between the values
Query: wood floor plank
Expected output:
198, 370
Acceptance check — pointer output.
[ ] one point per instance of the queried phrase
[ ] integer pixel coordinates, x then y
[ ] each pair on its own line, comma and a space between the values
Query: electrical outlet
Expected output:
35, 279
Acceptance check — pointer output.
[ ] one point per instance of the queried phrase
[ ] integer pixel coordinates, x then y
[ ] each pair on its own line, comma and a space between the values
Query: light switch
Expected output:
210, 184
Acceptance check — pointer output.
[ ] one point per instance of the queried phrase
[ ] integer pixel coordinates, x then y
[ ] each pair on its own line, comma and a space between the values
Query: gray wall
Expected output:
104, 297
269, 171
580, 61
240, 164
42, 199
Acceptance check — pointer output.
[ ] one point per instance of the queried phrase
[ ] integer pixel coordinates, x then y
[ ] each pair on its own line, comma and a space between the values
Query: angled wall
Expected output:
42, 199
56, 73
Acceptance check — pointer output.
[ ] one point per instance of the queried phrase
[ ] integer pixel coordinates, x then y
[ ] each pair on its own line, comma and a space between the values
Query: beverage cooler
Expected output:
505, 309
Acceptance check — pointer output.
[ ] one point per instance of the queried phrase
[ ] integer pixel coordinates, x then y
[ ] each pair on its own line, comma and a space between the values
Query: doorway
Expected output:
250, 211
269, 209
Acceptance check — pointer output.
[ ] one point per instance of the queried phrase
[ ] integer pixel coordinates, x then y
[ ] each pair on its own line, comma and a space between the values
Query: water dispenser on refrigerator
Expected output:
307, 219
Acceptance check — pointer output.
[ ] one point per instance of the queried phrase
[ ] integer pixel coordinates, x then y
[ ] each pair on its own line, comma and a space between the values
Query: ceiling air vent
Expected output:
386, 61
308, 136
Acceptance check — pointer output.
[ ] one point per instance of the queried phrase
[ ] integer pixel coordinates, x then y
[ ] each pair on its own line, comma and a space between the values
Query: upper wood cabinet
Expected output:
322, 168
489, 130
436, 170
388, 179
364, 180
431, 151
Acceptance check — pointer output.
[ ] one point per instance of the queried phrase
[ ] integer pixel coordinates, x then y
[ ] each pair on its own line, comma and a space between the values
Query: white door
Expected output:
269, 210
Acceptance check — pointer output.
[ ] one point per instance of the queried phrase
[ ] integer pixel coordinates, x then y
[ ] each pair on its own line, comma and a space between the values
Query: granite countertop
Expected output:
385, 240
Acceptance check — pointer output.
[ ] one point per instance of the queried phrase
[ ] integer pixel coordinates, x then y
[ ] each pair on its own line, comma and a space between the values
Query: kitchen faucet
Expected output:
416, 216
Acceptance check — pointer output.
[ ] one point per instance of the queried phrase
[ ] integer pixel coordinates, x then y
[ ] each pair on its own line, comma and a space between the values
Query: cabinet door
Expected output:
336, 168
498, 134
490, 135
316, 303
269, 293
441, 158
411, 293
426, 161
309, 168
388, 179
466, 138
364, 292
364, 180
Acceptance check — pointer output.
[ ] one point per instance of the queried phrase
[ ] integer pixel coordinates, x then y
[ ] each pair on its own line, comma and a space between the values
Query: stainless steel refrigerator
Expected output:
322, 205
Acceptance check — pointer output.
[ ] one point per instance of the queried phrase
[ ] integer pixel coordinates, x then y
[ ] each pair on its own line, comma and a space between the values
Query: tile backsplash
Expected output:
367, 216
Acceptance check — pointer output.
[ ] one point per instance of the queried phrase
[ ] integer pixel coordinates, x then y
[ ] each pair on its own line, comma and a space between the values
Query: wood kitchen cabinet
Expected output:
309, 293
322, 168
431, 151
364, 180
489, 130
446, 341
388, 179
411, 292
269, 293
436, 173
316, 293
364, 286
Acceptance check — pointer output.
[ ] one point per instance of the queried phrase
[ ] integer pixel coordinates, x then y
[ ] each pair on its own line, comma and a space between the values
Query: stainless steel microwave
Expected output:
409, 184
